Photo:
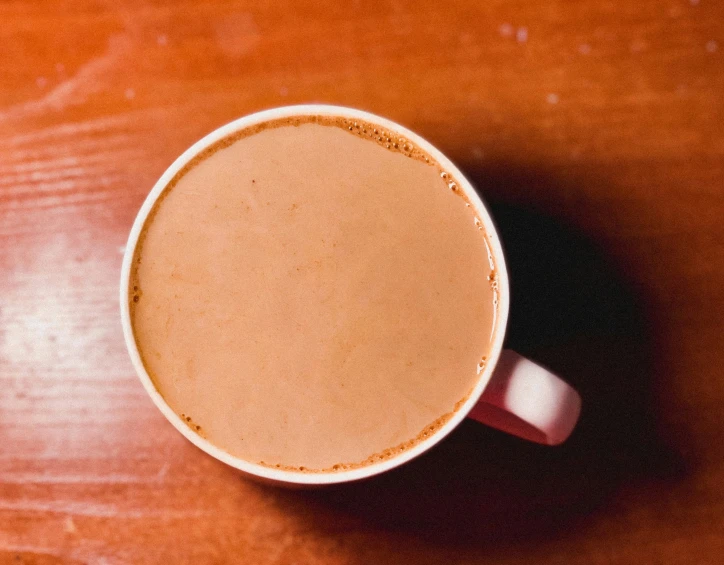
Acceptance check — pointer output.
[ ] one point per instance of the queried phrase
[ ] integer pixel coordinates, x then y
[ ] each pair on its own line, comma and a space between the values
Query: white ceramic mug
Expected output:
512, 394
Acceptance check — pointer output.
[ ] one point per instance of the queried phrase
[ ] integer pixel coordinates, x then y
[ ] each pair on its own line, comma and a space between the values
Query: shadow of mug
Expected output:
571, 312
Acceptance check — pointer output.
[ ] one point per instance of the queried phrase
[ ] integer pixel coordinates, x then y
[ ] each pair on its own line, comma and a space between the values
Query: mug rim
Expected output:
282, 476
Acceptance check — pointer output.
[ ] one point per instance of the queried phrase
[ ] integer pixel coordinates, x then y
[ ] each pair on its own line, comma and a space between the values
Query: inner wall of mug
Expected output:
455, 176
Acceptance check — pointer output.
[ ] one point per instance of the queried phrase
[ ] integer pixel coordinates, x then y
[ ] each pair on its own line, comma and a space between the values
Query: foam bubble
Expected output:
493, 280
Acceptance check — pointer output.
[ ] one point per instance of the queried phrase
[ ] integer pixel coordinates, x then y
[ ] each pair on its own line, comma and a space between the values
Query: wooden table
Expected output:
596, 131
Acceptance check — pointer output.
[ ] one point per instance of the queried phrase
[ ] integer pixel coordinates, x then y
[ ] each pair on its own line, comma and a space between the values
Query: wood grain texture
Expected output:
594, 129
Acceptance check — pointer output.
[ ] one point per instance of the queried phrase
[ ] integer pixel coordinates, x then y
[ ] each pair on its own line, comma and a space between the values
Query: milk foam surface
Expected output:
305, 297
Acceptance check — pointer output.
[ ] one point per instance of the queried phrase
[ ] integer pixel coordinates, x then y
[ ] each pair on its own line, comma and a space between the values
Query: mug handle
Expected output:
528, 401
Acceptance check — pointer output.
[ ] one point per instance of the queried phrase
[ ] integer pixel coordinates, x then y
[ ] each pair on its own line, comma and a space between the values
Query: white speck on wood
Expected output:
521, 36
238, 34
637, 46
712, 46
506, 30
161, 475
69, 525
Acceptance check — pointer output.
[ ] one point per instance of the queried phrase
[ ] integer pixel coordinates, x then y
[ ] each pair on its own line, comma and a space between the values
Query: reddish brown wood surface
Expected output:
594, 128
